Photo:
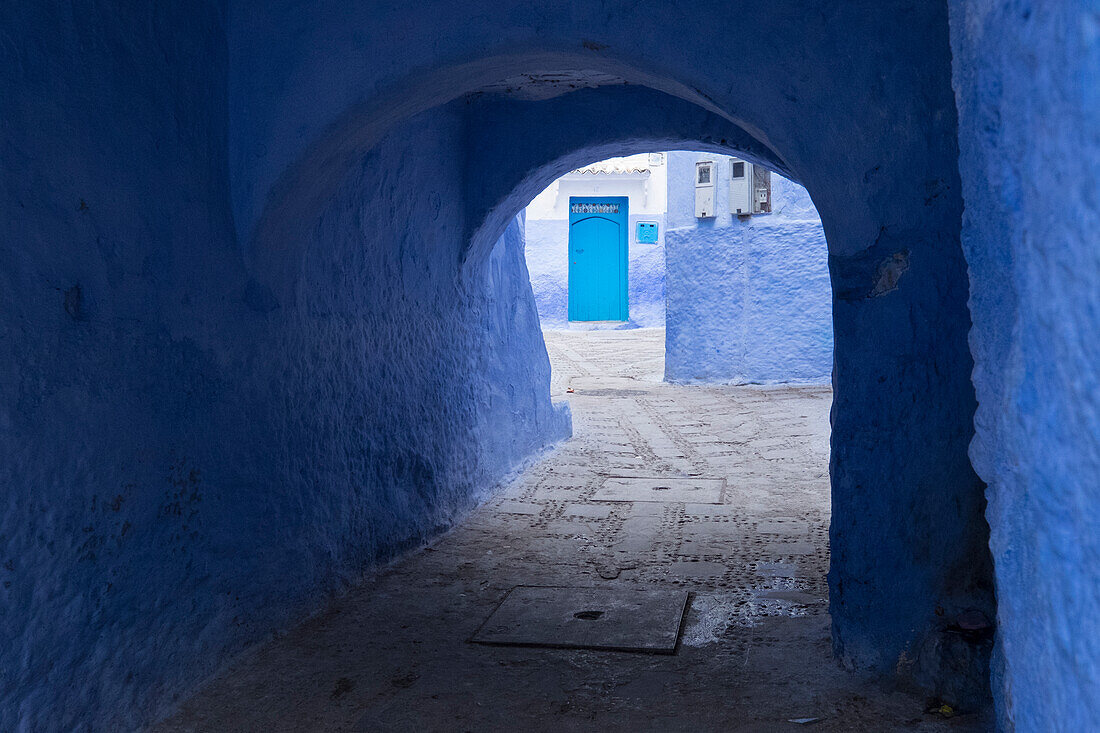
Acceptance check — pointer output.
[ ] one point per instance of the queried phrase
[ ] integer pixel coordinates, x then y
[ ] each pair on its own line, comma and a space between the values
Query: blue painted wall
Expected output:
188, 459
547, 261
260, 329
1027, 83
748, 301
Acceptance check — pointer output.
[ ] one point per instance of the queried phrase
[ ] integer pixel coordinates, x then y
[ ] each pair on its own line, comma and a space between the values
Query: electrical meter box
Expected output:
750, 188
646, 232
704, 189
761, 190
740, 187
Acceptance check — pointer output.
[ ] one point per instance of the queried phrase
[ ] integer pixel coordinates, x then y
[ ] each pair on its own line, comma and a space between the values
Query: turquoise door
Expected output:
598, 259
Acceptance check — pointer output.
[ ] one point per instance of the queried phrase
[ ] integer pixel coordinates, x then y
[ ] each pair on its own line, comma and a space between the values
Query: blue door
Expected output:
598, 258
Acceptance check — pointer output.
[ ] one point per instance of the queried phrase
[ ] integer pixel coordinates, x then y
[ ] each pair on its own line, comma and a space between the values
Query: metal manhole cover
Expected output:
587, 618
696, 490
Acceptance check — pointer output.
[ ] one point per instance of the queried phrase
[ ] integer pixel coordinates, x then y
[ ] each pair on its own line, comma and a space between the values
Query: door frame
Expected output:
622, 216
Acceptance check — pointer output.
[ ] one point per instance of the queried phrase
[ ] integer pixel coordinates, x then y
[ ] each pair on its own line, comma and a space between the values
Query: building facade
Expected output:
641, 179
748, 298
745, 298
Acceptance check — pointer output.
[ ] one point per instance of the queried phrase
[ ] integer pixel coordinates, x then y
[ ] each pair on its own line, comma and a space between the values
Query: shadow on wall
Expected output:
196, 450
1027, 86
231, 455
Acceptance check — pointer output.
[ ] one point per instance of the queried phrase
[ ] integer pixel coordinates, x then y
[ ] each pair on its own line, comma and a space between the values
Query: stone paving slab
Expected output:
394, 654
519, 507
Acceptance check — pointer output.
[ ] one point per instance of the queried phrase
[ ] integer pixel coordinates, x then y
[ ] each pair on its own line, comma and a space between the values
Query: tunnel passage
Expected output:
887, 558
305, 340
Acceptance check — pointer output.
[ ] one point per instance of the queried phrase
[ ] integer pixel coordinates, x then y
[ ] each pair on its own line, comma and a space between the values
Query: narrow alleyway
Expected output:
394, 655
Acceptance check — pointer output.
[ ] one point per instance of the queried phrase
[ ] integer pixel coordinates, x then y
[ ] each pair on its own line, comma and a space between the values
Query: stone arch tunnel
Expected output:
267, 324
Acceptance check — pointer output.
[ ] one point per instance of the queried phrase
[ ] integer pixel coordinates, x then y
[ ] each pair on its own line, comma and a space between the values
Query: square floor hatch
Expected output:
587, 618
637, 488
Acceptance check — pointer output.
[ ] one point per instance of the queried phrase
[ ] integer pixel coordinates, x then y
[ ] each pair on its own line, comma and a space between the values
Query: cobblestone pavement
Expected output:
755, 653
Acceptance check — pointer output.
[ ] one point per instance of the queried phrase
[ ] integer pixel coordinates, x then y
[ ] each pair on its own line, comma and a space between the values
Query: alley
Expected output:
754, 653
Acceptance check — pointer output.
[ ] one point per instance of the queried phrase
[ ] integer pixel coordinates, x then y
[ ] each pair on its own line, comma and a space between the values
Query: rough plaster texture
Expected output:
255, 338
903, 402
547, 254
1027, 83
118, 278
189, 461
755, 642
749, 301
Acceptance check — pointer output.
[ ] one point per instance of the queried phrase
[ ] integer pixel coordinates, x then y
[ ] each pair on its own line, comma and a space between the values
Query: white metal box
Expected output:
750, 188
740, 187
704, 189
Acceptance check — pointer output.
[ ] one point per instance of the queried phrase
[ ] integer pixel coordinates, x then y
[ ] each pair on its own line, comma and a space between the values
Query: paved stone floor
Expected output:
755, 652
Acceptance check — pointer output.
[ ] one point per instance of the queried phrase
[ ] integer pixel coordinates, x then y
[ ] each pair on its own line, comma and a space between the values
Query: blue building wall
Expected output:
256, 339
908, 542
188, 458
748, 301
547, 261
1027, 85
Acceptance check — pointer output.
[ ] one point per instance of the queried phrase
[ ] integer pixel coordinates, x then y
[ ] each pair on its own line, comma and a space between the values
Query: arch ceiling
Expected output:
862, 117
